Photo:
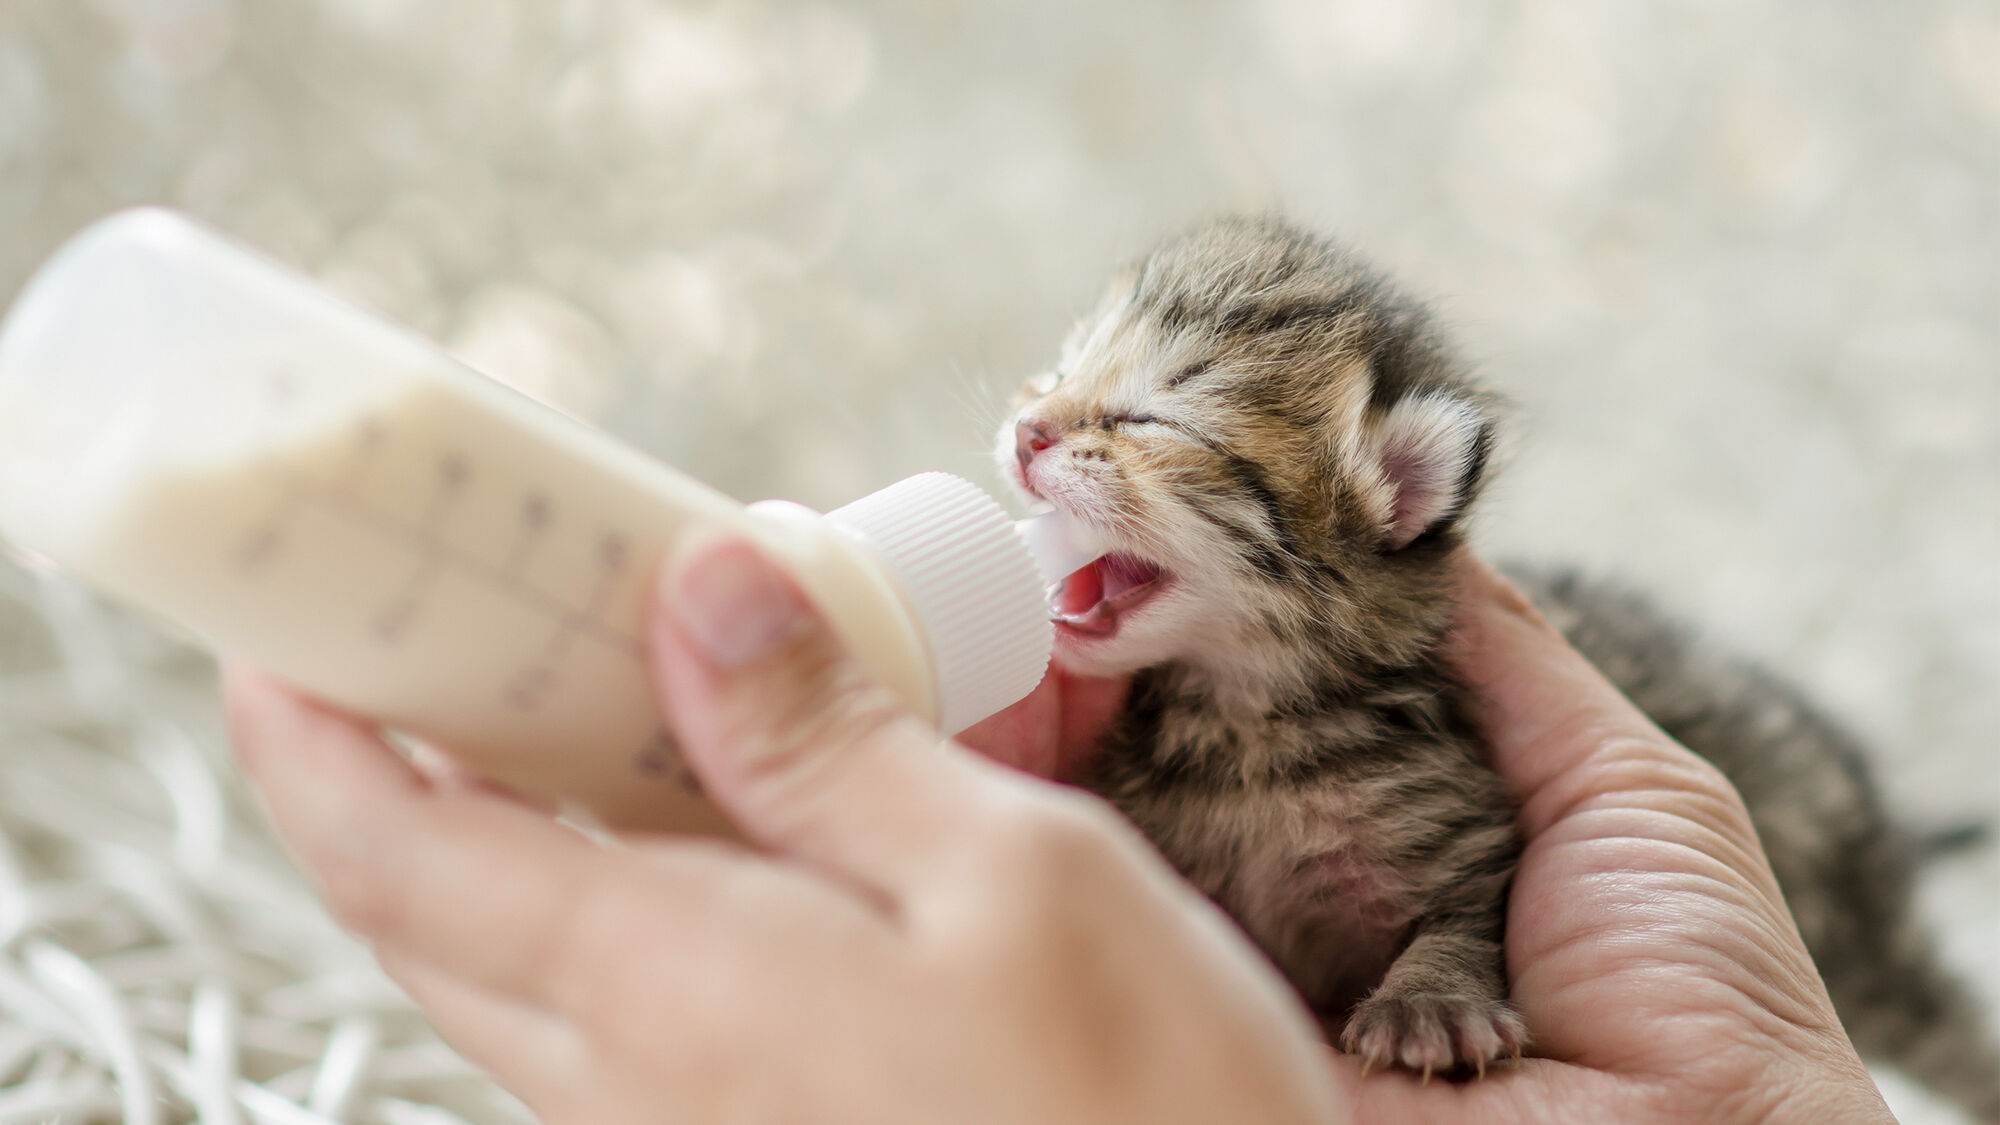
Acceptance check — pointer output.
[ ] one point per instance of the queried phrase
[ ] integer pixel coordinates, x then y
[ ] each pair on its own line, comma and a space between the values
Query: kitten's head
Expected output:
1277, 449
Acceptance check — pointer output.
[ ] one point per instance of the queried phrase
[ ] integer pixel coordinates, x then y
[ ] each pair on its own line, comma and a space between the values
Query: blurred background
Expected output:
1737, 263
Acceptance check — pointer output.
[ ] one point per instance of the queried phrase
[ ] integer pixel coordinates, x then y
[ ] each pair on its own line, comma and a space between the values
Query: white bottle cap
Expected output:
972, 583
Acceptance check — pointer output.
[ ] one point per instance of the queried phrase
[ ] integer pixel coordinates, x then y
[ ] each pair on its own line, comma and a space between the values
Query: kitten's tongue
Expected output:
1081, 590
1091, 598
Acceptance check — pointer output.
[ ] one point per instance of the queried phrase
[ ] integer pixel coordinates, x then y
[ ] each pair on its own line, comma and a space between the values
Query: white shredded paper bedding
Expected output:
160, 961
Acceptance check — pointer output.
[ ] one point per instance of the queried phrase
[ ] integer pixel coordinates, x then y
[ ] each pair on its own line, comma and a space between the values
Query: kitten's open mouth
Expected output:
1091, 601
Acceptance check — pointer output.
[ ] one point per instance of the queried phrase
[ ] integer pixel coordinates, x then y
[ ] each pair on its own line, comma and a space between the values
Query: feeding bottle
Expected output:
195, 429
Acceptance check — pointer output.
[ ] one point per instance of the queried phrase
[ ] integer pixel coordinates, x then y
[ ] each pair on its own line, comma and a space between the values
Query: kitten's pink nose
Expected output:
1030, 438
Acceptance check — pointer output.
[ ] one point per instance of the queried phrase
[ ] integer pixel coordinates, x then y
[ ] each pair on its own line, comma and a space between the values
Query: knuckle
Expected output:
846, 710
1062, 844
1051, 878
825, 703
358, 895
593, 955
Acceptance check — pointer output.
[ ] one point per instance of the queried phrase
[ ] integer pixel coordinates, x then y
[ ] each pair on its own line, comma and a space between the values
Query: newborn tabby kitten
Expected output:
1280, 450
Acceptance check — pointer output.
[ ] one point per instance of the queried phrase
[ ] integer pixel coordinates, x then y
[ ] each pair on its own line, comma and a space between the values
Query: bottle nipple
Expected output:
1060, 543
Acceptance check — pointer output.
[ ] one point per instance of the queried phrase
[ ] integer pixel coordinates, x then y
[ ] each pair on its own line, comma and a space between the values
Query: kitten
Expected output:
1281, 450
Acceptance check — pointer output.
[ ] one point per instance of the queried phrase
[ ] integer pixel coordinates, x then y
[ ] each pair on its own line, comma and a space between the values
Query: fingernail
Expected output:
733, 603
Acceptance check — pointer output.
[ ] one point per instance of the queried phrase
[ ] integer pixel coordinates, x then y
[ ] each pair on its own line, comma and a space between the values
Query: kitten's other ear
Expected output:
1432, 449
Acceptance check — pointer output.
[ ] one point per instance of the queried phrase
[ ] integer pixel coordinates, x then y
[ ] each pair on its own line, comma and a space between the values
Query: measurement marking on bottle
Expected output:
506, 577
661, 758
480, 569
267, 535
367, 446
396, 617
527, 689
345, 498
534, 525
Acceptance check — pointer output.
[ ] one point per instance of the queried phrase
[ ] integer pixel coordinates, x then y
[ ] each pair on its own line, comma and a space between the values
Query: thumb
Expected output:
789, 734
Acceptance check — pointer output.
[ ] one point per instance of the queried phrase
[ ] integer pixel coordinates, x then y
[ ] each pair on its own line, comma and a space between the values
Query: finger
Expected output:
1025, 736
511, 900
443, 771
1090, 706
1559, 732
1056, 730
790, 735
542, 1058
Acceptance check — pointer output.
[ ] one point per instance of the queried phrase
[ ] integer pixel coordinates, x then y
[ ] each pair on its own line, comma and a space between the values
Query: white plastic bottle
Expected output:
199, 431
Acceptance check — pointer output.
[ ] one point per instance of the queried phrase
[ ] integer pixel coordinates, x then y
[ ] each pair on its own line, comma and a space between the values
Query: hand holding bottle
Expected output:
926, 936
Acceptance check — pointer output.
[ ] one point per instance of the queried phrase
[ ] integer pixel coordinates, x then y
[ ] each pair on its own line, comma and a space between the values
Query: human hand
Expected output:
926, 936
1648, 947
1052, 732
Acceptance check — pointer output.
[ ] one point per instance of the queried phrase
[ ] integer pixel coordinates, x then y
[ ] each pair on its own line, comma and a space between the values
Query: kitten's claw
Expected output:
1426, 1080
1433, 1033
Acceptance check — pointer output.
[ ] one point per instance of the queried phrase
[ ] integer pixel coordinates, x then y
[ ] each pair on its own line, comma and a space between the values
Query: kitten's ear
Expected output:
1432, 450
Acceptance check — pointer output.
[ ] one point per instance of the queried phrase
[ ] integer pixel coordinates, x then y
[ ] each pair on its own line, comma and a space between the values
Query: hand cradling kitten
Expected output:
1280, 451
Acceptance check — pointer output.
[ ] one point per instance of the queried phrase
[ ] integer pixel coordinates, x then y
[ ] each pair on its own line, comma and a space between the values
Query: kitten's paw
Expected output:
1433, 1033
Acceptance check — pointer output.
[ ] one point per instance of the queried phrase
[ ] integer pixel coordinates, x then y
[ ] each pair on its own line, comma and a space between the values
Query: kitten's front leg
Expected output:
1443, 1004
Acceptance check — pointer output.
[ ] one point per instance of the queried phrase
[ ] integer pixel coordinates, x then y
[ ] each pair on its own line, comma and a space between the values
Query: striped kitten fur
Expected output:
1280, 449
